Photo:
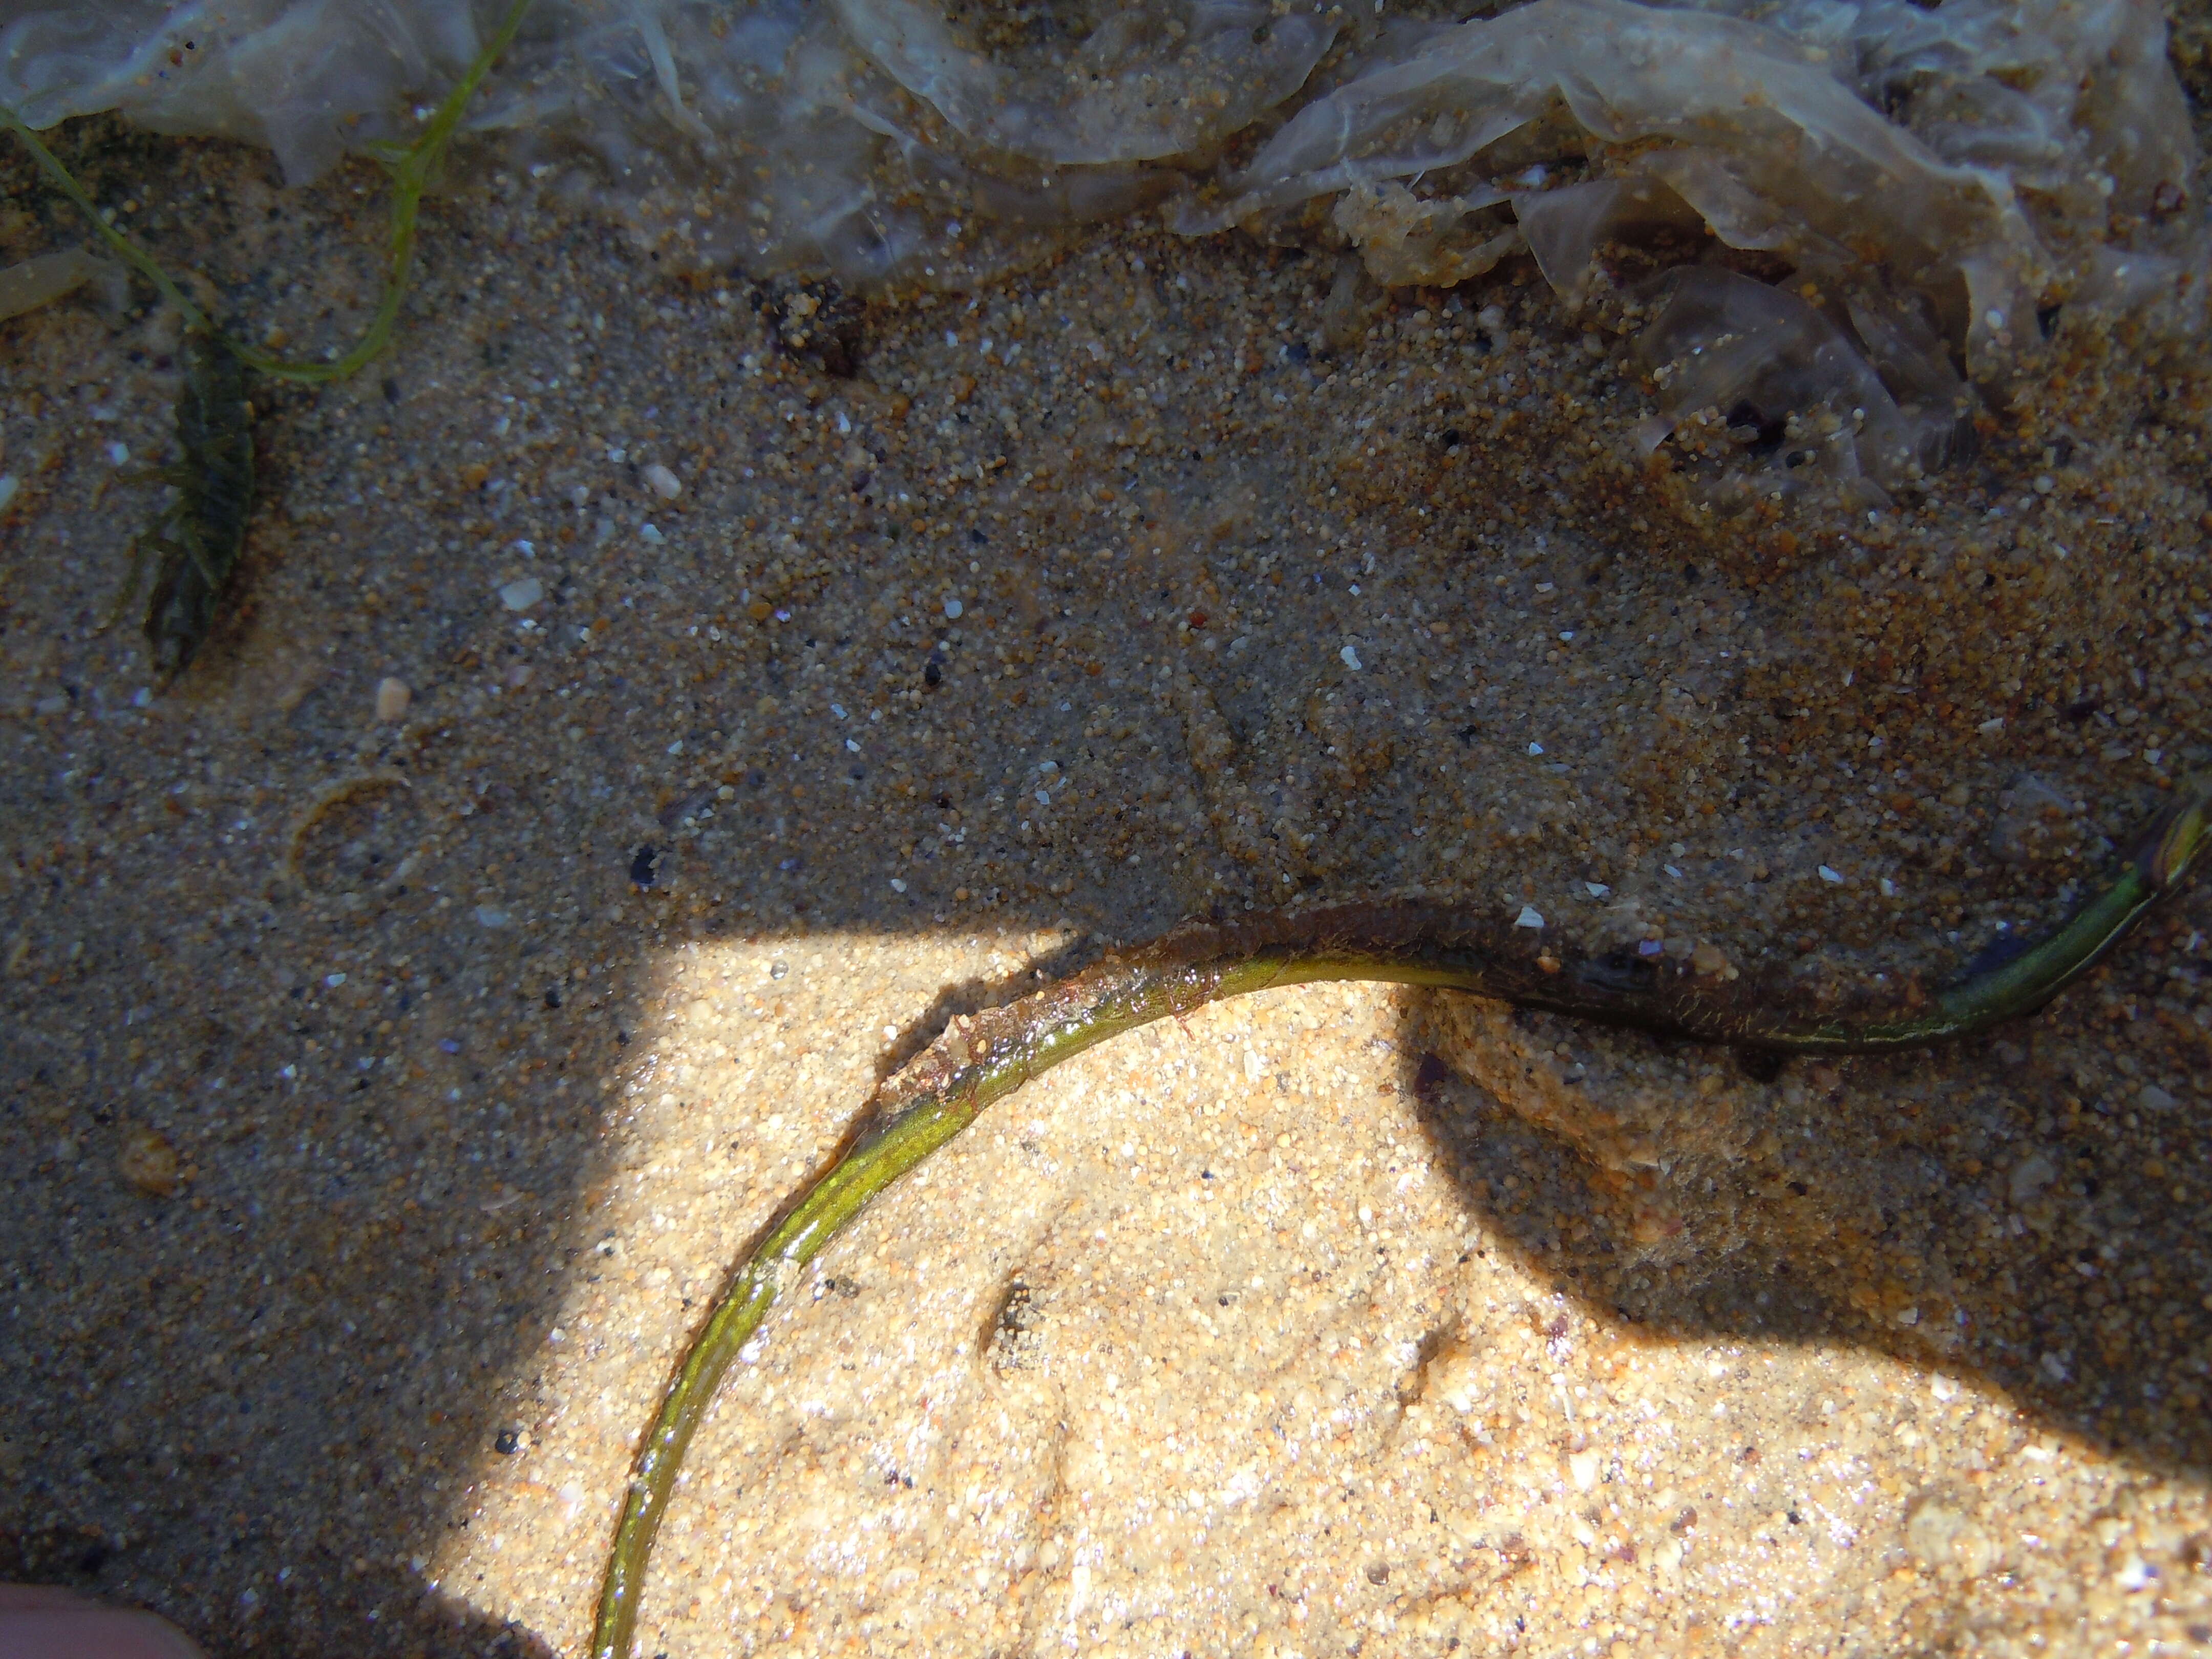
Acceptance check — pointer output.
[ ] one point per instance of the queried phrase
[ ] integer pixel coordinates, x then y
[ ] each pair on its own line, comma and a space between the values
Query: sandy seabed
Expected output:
388, 1088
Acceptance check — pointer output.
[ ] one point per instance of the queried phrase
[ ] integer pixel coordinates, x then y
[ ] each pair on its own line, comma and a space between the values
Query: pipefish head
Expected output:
180, 612
2184, 827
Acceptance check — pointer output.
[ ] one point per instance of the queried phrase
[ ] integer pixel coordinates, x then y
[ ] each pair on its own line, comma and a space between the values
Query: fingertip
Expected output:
40, 1623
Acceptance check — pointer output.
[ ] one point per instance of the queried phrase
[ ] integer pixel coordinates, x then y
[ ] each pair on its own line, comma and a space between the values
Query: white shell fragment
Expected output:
393, 696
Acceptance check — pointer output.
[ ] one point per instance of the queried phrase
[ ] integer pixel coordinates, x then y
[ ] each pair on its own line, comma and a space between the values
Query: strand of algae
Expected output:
1403, 942
412, 166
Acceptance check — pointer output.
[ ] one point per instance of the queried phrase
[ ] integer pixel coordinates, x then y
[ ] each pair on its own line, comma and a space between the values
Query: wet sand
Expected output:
473, 1041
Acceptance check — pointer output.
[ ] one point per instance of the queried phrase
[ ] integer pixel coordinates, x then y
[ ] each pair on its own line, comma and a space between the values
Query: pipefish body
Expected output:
197, 540
1407, 942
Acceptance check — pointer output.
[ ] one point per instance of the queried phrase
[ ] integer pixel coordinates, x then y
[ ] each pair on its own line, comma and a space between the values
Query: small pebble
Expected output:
2152, 1098
1833, 877
393, 696
490, 916
953, 608
1708, 959
147, 1163
663, 483
1350, 656
651, 536
1530, 916
522, 592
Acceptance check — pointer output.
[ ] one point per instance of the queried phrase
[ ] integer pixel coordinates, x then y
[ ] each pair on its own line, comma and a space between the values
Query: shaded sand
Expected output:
471, 1042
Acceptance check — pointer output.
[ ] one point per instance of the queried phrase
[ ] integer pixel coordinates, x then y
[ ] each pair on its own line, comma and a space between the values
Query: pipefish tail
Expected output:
1406, 942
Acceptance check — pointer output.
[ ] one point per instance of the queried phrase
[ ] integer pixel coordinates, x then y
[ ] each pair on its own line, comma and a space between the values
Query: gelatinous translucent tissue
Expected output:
44, 277
1870, 399
1940, 177
1933, 177
1976, 154
867, 136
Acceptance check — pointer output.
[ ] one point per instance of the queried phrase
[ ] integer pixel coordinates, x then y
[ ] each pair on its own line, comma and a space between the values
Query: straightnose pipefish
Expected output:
1406, 942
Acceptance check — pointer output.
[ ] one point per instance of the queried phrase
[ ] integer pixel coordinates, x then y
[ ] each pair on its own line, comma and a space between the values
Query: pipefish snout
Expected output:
1409, 942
